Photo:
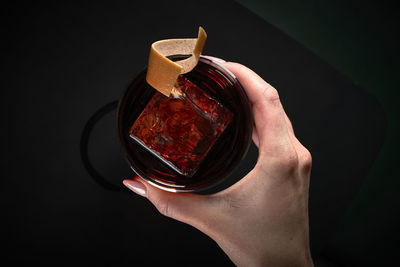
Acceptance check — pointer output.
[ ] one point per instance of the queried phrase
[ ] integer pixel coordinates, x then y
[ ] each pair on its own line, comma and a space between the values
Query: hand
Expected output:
262, 220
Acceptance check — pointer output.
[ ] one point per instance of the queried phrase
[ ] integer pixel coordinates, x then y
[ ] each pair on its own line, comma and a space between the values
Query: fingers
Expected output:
269, 116
257, 90
184, 207
273, 131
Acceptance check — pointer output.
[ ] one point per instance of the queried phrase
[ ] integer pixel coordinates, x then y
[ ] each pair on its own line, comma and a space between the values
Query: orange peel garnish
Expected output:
162, 73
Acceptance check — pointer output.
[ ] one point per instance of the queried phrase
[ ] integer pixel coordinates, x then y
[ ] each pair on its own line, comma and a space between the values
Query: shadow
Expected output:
84, 148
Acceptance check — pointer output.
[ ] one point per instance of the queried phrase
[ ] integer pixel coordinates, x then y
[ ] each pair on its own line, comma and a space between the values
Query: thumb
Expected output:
185, 207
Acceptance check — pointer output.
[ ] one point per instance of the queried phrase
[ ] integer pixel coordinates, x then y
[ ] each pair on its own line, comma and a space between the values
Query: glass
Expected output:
222, 152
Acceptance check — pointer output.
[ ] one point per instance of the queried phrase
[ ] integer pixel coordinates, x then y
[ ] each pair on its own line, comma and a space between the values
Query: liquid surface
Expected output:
180, 131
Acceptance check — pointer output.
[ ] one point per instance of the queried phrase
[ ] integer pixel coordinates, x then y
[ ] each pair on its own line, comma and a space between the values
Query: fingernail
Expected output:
135, 186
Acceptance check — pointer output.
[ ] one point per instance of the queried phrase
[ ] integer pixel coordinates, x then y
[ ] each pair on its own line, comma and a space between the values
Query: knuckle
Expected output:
288, 161
291, 161
285, 161
271, 94
306, 160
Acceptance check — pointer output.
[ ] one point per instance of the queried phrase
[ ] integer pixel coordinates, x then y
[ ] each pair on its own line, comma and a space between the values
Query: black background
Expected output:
62, 62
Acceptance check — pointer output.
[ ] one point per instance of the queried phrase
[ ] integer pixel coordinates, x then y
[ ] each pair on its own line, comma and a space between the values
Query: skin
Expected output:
262, 220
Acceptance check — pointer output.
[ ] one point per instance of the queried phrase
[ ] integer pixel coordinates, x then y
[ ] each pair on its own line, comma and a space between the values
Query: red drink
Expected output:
181, 131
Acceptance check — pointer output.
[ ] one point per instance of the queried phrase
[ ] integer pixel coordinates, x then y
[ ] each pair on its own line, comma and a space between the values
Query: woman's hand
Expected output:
262, 220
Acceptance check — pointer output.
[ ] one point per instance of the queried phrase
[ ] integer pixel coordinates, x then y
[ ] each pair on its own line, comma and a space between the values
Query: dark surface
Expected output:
64, 62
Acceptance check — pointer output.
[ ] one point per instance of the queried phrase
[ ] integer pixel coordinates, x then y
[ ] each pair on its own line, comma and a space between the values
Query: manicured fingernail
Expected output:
216, 59
136, 187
